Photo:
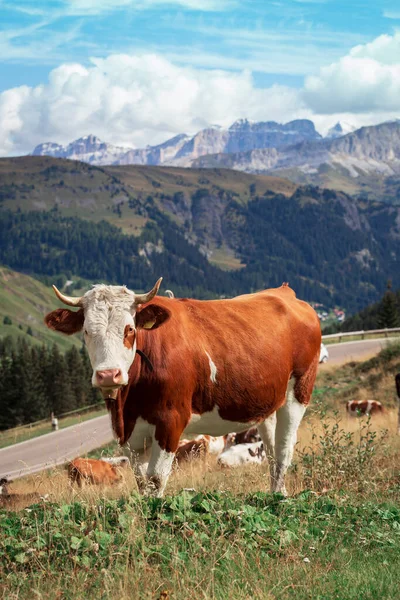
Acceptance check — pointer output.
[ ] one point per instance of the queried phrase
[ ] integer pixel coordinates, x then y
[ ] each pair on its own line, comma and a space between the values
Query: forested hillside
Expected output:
38, 380
187, 224
379, 315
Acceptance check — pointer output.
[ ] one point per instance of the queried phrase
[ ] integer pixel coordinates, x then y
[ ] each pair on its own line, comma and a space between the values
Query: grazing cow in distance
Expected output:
170, 368
247, 437
93, 471
242, 454
356, 408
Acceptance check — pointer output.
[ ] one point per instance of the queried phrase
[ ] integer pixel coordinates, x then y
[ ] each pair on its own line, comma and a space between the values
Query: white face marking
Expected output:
108, 310
213, 369
210, 423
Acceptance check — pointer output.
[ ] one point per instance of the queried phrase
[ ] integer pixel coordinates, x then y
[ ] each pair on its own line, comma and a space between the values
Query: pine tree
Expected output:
388, 315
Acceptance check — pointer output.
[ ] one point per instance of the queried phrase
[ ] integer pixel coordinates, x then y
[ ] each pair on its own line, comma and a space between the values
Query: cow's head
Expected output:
109, 319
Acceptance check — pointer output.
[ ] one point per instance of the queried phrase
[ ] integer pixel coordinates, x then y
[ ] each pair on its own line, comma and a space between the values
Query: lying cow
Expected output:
117, 461
170, 368
4, 486
201, 445
92, 471
248, 437
11, 499
356, 408
242, 454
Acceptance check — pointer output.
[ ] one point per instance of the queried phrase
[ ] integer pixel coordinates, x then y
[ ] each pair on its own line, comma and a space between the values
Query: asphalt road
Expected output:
54, 448
347, 351
58, 447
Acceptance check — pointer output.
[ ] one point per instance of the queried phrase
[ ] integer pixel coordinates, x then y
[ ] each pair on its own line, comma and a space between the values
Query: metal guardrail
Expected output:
83, 409
362, 333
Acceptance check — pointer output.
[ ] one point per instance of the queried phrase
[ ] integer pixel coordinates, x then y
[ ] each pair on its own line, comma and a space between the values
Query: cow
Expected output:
117, 461
356, 408
247, 437
242, 454
188, 449
13, 499
200, 445
4, 491
171, 368
92, 471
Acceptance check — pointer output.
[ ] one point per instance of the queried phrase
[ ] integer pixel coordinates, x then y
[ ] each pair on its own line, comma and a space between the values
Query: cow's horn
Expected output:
69, 300
143, 298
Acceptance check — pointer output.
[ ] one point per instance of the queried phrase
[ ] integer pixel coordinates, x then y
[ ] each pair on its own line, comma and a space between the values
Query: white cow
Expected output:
242, 454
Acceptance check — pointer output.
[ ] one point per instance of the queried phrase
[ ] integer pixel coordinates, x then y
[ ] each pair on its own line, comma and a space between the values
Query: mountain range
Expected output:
363, 162
241, 136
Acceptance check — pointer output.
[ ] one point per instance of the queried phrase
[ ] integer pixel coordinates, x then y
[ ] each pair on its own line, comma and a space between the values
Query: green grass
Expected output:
26, 301
21, 434
205, 545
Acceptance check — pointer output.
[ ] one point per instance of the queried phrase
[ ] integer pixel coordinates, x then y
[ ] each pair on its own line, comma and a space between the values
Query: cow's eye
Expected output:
85, 332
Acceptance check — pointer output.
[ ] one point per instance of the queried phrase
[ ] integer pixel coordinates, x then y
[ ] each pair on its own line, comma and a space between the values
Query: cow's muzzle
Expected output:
109, 378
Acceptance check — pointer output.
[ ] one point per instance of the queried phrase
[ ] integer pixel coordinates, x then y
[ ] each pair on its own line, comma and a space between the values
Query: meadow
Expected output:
217, 533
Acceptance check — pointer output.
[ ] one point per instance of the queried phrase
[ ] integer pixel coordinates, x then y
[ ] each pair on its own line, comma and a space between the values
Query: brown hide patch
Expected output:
152, 316
129, 337
65, 320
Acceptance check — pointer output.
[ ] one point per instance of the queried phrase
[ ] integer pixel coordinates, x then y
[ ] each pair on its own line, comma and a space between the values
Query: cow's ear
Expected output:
151, 316
65, 320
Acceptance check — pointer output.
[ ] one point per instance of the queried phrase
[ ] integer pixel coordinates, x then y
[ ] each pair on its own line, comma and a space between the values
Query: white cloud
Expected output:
85, 7
366, 80
134, 100
391, 14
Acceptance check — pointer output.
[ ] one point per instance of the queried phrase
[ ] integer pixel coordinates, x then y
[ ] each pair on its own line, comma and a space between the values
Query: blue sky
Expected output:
269, 45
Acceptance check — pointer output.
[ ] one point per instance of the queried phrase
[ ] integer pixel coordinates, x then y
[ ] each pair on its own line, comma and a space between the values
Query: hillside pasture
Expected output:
218, 534
223, 536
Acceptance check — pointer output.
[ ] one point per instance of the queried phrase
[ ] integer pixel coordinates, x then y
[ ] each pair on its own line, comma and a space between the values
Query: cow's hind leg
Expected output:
267, 432
289, 417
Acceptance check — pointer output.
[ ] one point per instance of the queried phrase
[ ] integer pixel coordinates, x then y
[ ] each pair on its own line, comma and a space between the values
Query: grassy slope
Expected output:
26, 301
229, 539
93, 190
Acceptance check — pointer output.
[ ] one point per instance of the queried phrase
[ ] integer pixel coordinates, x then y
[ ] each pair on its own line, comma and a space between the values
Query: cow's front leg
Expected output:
165, 443
158, 470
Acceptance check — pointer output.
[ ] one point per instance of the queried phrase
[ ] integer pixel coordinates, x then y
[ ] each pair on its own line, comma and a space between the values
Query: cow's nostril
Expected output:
117, 375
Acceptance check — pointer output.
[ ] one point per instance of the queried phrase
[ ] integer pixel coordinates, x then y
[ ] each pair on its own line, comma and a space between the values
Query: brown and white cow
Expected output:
248, 437
181, 367
356, 408
201, 445
92, 471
